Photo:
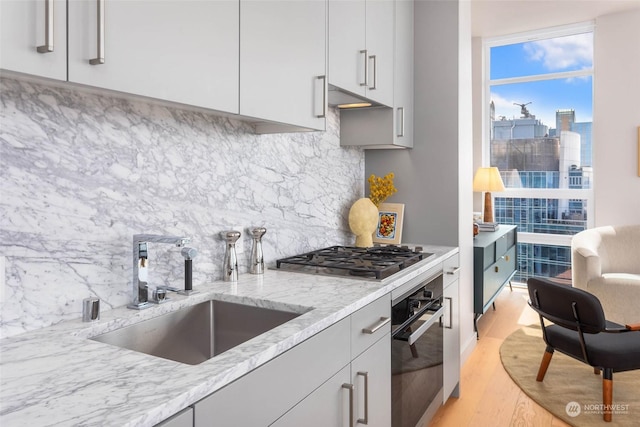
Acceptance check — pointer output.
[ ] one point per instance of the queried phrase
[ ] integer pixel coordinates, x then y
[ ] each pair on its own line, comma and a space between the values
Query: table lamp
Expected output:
488, 180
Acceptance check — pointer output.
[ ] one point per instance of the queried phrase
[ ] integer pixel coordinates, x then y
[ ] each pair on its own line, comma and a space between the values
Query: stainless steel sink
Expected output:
194, 334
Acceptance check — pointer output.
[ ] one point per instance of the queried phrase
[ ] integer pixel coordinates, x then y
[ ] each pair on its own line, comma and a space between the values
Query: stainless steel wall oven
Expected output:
416, 351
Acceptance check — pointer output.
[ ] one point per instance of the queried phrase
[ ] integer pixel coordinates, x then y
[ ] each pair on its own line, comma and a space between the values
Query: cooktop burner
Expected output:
378, 262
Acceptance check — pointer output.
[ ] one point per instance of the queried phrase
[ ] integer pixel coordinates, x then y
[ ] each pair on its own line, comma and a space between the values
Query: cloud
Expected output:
562, 53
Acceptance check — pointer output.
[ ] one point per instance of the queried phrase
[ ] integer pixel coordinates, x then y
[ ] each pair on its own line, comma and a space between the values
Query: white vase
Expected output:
363, 220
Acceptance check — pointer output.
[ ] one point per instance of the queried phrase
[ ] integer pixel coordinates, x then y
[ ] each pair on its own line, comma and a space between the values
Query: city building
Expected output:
529, 156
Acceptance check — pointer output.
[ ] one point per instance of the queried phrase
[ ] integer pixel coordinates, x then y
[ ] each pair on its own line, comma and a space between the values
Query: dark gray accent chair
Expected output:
580, 330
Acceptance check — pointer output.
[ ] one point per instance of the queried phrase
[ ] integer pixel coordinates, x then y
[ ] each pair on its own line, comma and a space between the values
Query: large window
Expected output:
539, 99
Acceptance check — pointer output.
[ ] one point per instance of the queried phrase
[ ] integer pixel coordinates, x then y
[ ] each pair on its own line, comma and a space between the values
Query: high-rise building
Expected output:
564, 120
586, 151
529, 156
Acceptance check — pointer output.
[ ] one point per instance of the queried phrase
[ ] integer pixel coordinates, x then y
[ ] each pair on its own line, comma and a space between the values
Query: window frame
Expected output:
561, 193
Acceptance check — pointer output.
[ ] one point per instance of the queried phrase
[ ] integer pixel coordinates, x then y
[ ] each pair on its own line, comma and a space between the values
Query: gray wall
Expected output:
427, 175
81, 172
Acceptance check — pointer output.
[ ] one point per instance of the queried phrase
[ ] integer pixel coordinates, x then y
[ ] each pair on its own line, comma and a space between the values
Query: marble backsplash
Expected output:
82, 172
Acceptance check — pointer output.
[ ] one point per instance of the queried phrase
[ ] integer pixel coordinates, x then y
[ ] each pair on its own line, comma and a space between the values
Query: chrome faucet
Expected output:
141, 265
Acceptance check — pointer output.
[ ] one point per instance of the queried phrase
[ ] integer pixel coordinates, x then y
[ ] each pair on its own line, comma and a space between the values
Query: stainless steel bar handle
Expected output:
373, 329
450, 313
401, 122
350, 388
100, 59
366, 67
426, 325
375, 78
324, 97
454, 271
365, 420
48, 28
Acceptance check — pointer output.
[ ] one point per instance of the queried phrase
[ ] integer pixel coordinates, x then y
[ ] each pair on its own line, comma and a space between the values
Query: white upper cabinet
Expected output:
184, 51
361, 48
347, 43
380, 27
379, 128
263, 59
33, 37
403, 75
283, 62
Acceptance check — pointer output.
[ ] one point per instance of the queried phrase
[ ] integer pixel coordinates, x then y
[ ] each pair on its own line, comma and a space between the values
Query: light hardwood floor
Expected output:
488, 396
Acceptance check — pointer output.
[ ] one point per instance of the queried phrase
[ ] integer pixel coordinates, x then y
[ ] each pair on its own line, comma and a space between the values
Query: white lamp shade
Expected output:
488, 179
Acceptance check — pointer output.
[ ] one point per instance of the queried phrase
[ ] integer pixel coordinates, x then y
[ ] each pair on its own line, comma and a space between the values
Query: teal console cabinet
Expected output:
494, 264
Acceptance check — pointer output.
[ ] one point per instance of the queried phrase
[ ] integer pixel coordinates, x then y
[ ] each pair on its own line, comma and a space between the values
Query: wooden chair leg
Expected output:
596, 370
546, 359
607, 393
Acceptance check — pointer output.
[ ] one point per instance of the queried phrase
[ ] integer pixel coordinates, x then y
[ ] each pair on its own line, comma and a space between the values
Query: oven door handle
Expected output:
426, 325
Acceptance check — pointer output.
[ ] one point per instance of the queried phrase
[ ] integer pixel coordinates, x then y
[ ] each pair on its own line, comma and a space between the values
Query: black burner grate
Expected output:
378, 262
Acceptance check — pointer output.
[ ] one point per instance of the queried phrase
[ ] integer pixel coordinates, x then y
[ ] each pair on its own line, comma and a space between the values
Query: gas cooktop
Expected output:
378, 262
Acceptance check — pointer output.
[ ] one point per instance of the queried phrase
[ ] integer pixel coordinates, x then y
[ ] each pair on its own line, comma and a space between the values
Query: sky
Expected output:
568, 53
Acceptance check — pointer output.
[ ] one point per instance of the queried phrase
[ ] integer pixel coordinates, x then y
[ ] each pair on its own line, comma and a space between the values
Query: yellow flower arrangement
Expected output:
381, 188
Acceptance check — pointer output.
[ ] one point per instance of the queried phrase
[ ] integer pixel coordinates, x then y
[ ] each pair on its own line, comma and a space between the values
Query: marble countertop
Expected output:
57, 376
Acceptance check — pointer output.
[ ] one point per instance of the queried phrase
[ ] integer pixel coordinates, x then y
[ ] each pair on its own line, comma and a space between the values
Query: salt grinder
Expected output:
257, 259
90, 309
230, 267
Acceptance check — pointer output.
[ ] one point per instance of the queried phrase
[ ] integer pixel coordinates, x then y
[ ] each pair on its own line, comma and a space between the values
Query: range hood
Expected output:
341, 98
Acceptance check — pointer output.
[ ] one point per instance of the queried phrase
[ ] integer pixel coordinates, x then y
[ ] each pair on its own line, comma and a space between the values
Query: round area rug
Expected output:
570, 390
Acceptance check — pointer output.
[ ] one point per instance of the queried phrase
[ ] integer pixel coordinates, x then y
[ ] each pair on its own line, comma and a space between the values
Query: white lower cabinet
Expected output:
342, 371
361, 390
327, 406
371, 377
451, 339
262, 396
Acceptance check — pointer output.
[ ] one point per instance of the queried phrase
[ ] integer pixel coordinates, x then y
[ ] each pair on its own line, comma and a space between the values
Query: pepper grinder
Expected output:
257, 259
230, 267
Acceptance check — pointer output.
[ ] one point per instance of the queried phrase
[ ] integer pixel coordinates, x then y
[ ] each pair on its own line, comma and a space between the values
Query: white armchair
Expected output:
605, 261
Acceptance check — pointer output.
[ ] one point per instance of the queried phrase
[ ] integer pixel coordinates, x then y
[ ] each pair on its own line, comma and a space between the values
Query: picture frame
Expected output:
390, 219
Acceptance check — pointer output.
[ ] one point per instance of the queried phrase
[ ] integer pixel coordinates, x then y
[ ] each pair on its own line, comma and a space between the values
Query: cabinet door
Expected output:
328, 406
380, 40
260, 397
451, 340
183, 51
371, 377
346, 45
403, 74
283, 57
23, 37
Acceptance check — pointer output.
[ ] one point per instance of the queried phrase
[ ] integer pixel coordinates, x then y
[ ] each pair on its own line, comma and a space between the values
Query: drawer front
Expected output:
365, 321
263, 395
489, 256
504, 243
451, 269
498, 274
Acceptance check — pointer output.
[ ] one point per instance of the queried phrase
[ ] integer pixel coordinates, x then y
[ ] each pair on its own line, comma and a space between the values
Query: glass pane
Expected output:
569, 53
543, 261
546, 216
540, 128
